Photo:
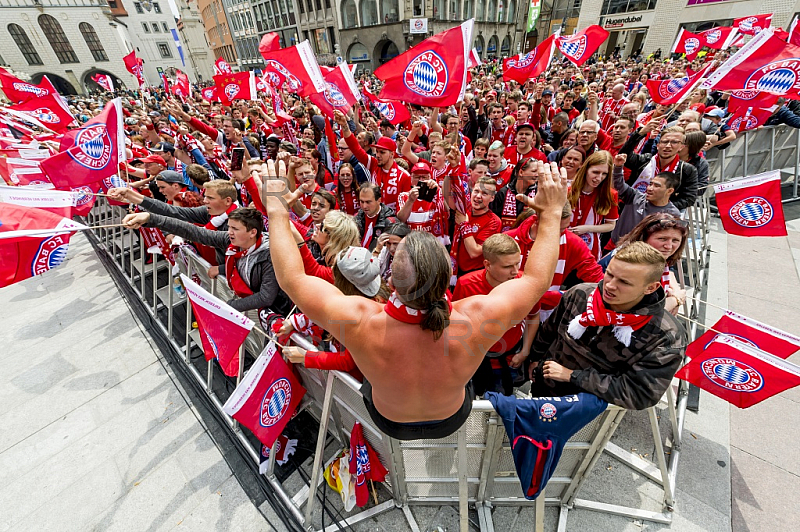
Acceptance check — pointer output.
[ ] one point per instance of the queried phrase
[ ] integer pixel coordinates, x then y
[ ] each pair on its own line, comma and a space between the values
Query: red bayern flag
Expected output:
91, 153
752, 206
134, 65
432, 73
523, 67
364, 464
752, 24
340, 93
474, 59
738, 373
269, 43
222, 328
580, 47
267, 397
718, 38
239, 86
104, 80
745, 99
222, 67
210, 94
297, 67
156, 244
752, 332
765, 64
59, 202
181, 87
50, 111
687, 43
20, 91
673, 91
794, 32
394, 111
748, 118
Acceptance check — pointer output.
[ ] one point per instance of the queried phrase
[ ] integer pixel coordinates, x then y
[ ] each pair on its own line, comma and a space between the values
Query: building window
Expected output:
309, 5
369, 12
467, 9
613, 7
156, 29
512, 11
163, 49
319, 5
24, 44
58, 40
93, 42
419, 8
301, 6
156, 7
146, 27
112, 4
390, 11
349, 15
164, 27
138, 7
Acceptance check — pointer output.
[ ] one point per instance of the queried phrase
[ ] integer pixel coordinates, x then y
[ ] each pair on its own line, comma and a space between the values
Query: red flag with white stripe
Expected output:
752, 24
752, 206
50, 111
394, 111
752, 332
340, 93
673, 91
687, 43
748, 118
718, 38
20, 91
239, 86
297, 68
580, 47
104, 80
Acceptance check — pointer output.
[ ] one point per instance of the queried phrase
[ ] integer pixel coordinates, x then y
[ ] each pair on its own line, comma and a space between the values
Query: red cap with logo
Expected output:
421, 167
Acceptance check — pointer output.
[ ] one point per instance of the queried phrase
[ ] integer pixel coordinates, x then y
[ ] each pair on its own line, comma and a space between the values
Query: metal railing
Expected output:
473, 467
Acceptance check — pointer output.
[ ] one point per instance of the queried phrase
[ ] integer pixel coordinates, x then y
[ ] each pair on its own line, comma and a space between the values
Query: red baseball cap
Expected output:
155, 159
421, 167
385, 143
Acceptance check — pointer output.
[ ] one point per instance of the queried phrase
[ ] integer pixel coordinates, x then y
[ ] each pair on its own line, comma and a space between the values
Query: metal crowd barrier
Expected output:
473, 467
756, 151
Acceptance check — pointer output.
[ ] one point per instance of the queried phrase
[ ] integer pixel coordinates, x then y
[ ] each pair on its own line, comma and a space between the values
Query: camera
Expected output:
426, 193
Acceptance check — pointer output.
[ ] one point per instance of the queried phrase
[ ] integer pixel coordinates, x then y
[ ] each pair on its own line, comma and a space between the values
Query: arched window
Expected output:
390, 10
349, 14
369, 12
512, 10
58, 40
479, 45
93, 42
506, 46
24, 43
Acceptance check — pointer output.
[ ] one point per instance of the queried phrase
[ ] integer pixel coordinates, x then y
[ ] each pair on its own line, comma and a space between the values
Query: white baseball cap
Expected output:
360, 268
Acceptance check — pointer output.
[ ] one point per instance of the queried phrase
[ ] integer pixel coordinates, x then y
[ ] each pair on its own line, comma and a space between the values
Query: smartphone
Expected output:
237, 158
426, 193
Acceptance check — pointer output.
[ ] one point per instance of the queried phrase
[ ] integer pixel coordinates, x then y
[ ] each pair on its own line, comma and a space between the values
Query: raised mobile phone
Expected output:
237, 158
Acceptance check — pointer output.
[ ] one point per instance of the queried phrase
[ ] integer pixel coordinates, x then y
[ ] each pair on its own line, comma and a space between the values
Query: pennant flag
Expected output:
673, 91
267, 397
719, 38
91, 153
222, 67
752, 206
687, 43
210, 94
181, 88
580, 47
222, 329
134, 65
286, 448
738, 373
269, 43
50, 111
748, 118
19, 91
765, 64
749, 331
753, 24
178, 45
474, 59
240, 86
394, 111
364, 464
58, 202
156, 244
104, 80
744, 99
432, 73
340, 93
521, 67
533, 14
297, 67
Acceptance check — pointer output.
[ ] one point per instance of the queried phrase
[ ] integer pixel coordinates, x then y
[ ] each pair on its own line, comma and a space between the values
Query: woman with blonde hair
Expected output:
594, 200
337, 232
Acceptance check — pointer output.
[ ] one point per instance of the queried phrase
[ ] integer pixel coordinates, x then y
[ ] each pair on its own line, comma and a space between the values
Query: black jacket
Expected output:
386, 217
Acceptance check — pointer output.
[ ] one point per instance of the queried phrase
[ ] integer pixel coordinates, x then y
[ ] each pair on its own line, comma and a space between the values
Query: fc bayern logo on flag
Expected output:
732, 375
673, 87
748, 24
83, 196
27, 87
386, 109
525, 61
334, 96
743, 122
291, 79
751, 212
691, 45
778, 77
547, 412
745, 95
94, 147
713, 36
276, 402
231, 90
426, 75
43, 114
574, 48
50, 254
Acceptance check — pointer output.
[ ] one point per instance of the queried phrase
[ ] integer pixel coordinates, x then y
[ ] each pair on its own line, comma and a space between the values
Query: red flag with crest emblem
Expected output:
752, 206
239, 86
296, 67
672, 91
523, 67
341, 92
718, 38
687, 43
580, 47
752, 24
752, 332
50, 111
134, 65
748, 118
393, 111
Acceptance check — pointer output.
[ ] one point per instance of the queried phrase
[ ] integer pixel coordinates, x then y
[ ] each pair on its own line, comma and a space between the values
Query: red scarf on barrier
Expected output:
235, 280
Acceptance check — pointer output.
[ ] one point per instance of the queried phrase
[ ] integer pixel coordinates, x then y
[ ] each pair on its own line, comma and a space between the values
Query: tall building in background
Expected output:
243, 33
193, 35
215, 22
279, 16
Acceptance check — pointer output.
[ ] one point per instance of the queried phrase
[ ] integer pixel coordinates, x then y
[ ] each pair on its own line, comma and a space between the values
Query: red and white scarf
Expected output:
665, 278
653, 168
235, 280
217, 221
596, 315
399, 311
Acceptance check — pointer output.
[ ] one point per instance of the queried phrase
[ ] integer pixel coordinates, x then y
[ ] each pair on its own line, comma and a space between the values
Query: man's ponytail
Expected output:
437, 318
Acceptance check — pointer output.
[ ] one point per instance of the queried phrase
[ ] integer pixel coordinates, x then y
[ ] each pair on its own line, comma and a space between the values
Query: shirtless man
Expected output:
419, 351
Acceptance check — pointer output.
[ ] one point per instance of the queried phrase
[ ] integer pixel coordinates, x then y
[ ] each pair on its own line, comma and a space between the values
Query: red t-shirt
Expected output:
513, 156
369, 230
429, 216
392, 182
349, 203
480, 227
585, 214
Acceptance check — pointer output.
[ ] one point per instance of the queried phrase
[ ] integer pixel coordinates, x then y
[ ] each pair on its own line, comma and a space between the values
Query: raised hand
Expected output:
619, 159
551, 194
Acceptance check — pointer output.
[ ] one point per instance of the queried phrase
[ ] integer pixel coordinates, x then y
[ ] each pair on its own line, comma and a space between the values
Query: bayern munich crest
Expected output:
732, 375
273, 79
523, 62
94, 147
33, 89
231, 90
778, 77
713, 36
43, 114
752, 212
50, 254
426, 75
575, 47
742, 123
691, 45
386, 109
275, 403
83, 196
748, 24
291, 79
547, 412
672, 87
744, 95
334, 96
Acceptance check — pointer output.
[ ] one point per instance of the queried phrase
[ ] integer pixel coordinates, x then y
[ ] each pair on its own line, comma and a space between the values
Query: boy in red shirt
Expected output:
474, 228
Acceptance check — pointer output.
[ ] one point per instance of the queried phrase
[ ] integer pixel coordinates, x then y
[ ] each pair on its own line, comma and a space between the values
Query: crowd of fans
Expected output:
633, 168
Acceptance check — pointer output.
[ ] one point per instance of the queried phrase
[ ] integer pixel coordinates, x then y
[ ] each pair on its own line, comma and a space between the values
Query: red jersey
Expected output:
348, 202
392, 182
429, 216
480, 227
513, 156
503, 176
584, 214
369, 223
609, 111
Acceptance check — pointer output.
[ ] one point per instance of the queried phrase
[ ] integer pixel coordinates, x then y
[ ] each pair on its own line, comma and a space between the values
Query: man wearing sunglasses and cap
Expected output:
423, 208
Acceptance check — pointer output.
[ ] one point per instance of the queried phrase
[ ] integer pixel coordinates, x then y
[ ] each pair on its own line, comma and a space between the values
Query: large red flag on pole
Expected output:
523, 67
432, 73
752, 206
134, 65
239, 86
297, 67
718, 38
20, 91
752, 24
58, 202
222, 328
687, 43
269, 43
393, 111
673, 91
580, 47
50, 111
341, 92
